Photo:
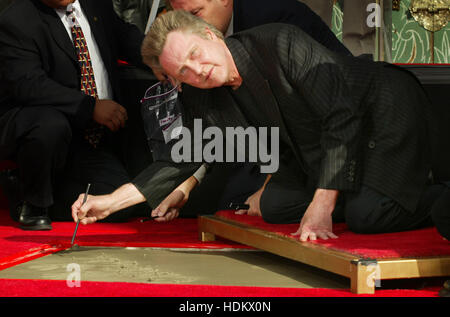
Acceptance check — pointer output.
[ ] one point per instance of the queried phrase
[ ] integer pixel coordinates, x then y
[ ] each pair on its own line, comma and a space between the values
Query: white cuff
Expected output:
200, 173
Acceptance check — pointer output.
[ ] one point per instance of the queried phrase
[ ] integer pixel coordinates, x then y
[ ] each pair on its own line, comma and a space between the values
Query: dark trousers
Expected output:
228, 182
441, 213
56, 164
289, 193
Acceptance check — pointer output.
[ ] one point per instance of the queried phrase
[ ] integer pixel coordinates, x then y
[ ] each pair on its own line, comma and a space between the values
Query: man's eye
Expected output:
183, 71
194, 53
196, 12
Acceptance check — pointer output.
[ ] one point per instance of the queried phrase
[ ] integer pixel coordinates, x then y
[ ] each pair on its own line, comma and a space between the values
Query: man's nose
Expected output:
196, 67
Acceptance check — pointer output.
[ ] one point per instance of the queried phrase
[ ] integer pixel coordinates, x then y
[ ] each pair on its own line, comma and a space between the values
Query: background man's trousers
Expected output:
56, 164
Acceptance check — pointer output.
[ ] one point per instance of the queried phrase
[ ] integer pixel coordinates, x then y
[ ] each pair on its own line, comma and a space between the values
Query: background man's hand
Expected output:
109, 113
95, 208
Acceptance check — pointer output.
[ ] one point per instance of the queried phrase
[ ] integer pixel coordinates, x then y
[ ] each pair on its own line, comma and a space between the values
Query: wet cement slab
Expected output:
176, 266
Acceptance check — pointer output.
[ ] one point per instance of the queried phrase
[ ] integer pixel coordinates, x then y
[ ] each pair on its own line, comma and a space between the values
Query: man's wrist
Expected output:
125, 196
187, 186
327, 198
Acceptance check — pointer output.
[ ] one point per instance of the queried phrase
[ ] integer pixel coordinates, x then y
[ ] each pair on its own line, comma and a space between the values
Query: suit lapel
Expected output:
261, 91
225, 110
216, 106
57, 29
254, 80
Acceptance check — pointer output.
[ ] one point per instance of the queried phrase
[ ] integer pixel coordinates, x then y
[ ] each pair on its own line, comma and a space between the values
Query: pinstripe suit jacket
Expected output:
348, 121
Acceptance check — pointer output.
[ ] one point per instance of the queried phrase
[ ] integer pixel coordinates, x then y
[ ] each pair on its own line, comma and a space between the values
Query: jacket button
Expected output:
372, 144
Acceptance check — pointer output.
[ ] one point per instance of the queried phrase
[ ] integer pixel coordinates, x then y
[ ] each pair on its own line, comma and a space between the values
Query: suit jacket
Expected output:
38, 62
251, 13
347, 121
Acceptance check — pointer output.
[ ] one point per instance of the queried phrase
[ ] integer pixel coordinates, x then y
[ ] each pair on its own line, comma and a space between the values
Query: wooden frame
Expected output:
363, 273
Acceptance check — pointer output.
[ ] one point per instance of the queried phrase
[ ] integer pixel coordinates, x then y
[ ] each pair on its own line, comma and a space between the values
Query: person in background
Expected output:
233, 16
61, 113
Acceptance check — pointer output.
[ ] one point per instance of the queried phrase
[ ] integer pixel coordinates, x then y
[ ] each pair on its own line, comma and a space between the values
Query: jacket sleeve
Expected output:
160, 178
317, 76
29, 85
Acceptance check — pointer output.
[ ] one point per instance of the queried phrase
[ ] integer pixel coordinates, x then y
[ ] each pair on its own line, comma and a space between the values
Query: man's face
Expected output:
215, 12
57, 3
193, 60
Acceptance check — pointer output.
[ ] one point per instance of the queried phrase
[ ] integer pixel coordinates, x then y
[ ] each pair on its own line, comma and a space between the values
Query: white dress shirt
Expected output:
230, 29
104, 90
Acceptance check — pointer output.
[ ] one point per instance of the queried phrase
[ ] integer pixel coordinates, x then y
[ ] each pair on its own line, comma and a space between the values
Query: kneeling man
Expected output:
353, 133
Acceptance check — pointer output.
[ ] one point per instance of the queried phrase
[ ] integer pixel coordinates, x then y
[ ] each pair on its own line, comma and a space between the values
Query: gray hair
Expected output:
176, 20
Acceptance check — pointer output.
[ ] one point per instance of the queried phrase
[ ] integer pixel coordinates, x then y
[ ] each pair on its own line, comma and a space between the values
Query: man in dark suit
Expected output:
352, 127
60, 115
356, 131
232, 16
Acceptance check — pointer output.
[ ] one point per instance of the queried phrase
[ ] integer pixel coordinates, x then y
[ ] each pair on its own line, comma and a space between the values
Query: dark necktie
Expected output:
93, 133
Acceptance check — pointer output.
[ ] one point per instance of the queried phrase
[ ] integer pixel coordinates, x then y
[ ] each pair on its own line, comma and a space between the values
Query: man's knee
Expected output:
440, 214
48, 128
370, 212
359, 215
283, 206
356, 222
269, 208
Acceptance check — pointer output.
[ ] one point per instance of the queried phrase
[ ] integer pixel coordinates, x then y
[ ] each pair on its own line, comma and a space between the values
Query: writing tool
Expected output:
78, 222
149, 218
238, 206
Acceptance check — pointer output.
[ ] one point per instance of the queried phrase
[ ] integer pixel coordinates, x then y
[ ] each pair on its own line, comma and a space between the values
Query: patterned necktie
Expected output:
94, 133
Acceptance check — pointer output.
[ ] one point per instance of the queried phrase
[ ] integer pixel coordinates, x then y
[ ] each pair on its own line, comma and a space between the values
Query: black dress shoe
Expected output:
445, 291
33, 218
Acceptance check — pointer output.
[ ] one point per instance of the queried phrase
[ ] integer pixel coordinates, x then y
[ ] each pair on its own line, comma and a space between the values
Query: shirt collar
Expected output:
76, 9
230, 27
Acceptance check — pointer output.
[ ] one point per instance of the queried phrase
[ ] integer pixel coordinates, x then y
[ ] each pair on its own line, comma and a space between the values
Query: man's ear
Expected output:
210, 34
226, 3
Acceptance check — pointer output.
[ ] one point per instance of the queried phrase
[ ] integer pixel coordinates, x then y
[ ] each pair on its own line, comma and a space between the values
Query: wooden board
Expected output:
363, 273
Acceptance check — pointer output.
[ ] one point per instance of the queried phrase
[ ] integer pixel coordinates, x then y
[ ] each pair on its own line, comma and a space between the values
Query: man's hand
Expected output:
110, 114
317, 220
99, 207
253, 202
170, 207
95, 208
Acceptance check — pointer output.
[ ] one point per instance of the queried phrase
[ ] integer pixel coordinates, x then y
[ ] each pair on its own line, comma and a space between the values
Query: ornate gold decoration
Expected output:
433, 15
396, 5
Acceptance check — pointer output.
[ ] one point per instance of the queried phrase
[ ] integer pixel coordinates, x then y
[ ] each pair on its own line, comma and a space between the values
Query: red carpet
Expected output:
19, 246
180, 233
49, 288
417, 243
17, 243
